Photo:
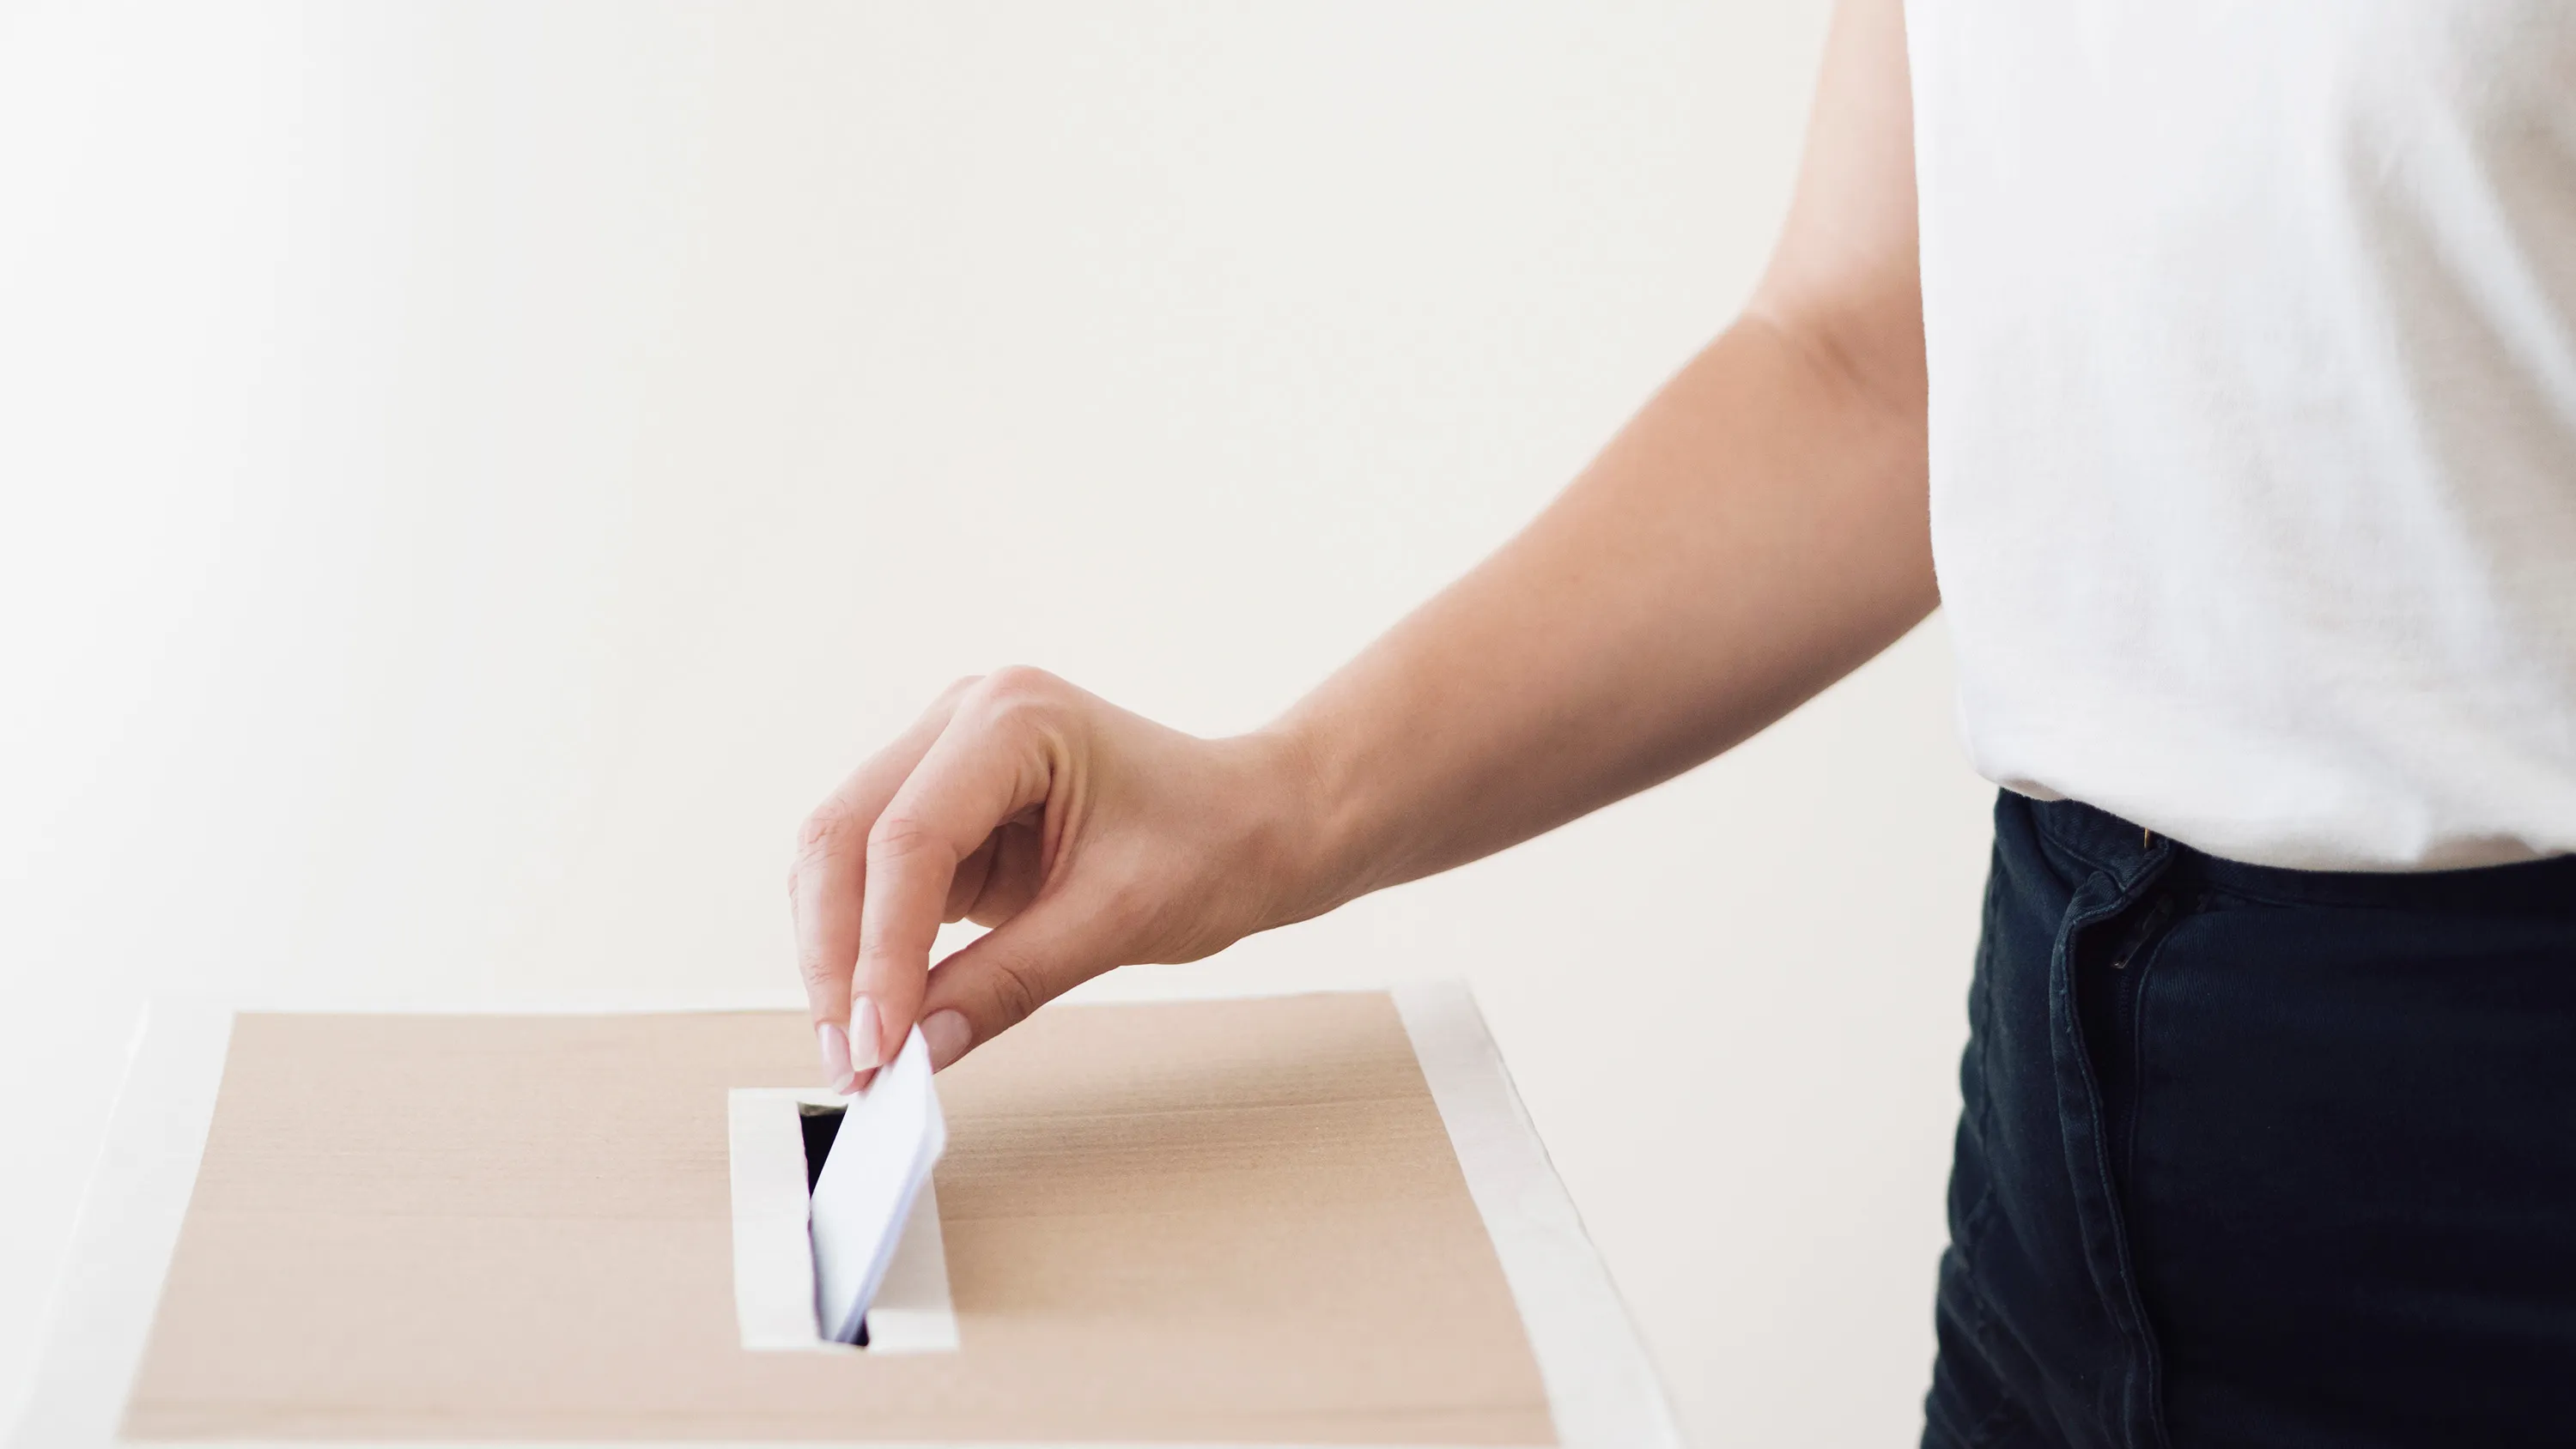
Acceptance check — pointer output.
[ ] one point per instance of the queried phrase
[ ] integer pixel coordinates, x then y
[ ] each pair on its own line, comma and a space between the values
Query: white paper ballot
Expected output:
883, 1153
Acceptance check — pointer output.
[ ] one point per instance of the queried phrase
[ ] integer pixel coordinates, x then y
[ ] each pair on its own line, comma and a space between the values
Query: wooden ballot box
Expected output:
1288, 1220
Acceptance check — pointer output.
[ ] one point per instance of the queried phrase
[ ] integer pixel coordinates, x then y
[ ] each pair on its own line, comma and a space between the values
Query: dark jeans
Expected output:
2260, 1157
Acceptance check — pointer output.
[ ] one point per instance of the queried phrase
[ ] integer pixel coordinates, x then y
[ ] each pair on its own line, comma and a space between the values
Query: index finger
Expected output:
976, 776
828, 882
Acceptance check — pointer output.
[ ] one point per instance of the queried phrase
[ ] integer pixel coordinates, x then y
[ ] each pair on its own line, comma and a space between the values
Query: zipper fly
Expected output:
2143, 934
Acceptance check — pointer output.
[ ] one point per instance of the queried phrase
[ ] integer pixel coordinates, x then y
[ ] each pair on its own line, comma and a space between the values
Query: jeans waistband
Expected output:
2124, 848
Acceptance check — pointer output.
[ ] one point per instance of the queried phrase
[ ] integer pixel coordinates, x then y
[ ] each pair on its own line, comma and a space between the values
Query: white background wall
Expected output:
474, 474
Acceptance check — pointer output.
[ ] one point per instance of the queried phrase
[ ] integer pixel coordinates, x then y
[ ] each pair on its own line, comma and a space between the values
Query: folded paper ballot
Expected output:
889, 1138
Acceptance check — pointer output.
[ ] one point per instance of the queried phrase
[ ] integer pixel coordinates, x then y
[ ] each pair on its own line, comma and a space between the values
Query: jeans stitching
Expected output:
2126, 894
2143, 961
2047, 825
2153, 1351
1980, 1037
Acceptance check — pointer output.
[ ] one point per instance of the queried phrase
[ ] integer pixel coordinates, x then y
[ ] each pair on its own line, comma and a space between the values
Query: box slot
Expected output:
777, 1139
821, 1125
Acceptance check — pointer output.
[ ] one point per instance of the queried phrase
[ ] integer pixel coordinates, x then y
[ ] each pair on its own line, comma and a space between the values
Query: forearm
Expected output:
1756, 532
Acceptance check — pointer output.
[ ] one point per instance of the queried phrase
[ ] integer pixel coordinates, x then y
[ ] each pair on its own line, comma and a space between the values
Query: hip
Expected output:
2258, 1155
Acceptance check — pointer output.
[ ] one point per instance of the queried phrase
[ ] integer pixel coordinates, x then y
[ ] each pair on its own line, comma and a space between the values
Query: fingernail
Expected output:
836, 1058
947, 1035
867, 1035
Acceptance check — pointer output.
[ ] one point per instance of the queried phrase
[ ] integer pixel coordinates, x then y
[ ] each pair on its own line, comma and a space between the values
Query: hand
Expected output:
1754, 534
1085, 836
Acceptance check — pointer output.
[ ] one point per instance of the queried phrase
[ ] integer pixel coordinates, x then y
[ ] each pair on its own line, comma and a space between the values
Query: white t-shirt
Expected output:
2252, 334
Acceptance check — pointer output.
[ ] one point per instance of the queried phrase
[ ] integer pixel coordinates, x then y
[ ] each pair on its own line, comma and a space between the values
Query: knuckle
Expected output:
899, 836
957, 689
815, 971
1016, 679
825, 832
1016, 991
1017, 692
1129, 908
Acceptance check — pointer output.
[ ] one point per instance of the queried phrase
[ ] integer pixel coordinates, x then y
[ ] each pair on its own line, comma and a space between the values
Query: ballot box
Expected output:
1289, 1220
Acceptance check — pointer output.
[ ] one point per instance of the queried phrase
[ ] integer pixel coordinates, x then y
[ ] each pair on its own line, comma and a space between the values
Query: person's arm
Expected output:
1756, 532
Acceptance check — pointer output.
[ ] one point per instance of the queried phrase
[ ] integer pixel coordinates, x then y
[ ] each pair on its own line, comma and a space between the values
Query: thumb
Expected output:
999, 978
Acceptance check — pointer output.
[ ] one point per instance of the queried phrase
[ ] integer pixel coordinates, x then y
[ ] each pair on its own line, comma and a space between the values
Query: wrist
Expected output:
1302, 841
